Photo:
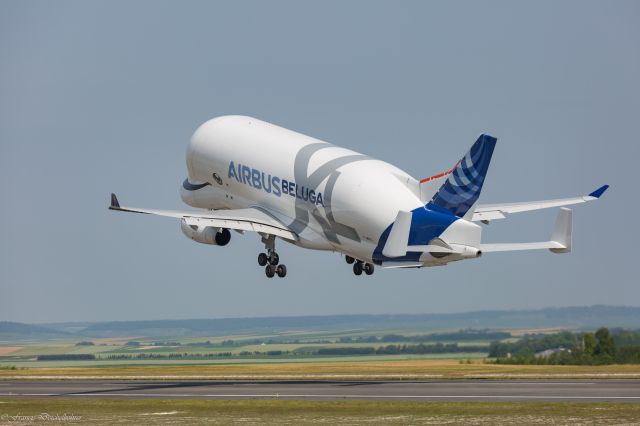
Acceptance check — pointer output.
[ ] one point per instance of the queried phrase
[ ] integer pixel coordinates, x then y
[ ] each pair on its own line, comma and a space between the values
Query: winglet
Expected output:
562, 231
598, 192
114, 202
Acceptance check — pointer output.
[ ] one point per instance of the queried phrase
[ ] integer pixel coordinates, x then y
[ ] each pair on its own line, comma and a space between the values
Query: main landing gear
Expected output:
359, 266
270, 260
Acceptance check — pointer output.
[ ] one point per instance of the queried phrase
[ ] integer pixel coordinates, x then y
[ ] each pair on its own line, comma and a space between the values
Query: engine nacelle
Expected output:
206, 234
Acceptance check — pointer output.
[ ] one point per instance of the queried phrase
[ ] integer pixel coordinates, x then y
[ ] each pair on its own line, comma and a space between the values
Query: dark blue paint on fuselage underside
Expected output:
427, 223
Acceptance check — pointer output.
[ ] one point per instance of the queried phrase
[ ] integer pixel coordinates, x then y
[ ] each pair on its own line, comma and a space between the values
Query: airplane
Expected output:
249, 175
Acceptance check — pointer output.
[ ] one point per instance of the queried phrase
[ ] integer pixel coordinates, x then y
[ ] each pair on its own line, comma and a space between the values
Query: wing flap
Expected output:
241, 225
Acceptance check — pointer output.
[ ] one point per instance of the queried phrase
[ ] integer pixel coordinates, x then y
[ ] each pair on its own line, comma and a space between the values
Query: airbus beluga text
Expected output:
248, 175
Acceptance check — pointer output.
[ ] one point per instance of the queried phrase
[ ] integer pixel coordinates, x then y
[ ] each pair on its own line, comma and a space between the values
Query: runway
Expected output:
427, 390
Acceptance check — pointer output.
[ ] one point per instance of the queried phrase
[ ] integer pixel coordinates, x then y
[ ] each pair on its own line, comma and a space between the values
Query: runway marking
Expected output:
330, 376
551, 375
537, 383
332, 396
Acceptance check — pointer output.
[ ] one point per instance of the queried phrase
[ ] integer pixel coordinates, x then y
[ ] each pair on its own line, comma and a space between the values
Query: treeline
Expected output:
601, 347
138, 356
437, 348
533, 344
66, 357
462, 335
136, 343
369, 350
457, 336
192, 356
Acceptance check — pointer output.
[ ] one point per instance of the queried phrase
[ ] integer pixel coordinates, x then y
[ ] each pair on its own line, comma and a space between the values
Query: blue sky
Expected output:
100, 97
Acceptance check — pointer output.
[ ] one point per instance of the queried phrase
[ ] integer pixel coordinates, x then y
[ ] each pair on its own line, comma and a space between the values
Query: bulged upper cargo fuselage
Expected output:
334, 198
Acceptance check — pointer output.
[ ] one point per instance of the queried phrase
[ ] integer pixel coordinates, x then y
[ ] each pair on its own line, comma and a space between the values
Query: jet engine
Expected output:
206, 234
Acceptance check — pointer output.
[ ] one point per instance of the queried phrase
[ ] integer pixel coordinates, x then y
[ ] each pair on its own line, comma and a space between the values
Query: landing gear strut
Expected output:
270, 260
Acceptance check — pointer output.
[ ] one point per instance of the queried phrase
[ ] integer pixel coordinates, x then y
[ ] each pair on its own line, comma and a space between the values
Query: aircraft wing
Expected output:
250, 219
488, 212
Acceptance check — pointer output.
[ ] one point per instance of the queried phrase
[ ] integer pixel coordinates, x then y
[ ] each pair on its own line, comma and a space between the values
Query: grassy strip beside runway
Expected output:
178, 412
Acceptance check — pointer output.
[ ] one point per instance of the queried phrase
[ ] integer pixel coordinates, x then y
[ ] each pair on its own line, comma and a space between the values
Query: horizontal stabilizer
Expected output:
560, 238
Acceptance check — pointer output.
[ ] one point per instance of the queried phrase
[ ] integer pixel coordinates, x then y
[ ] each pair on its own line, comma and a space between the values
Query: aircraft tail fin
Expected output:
461, 190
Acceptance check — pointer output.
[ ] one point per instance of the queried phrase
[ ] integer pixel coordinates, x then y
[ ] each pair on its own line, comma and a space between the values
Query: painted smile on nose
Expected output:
191, 187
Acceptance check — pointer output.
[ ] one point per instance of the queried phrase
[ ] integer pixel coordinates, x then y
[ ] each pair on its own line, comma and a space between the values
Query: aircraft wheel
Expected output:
270, 271
368, 268
357, 268
349, 259
262, 259
281, 270
274, 259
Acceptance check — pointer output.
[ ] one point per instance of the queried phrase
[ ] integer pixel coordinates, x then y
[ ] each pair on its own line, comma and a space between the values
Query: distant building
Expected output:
550, 352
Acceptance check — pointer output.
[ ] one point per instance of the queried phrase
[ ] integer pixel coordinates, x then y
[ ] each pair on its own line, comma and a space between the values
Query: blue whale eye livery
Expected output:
273, 184
285, 185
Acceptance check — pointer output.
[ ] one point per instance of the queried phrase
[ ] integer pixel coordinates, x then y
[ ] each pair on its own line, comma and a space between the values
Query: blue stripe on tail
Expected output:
462, 189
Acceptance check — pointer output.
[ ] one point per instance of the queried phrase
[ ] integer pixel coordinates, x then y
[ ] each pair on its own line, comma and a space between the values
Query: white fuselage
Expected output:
332, 197
257, 177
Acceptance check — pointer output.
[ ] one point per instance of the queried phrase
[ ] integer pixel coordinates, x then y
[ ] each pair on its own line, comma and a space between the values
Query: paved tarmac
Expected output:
426, 390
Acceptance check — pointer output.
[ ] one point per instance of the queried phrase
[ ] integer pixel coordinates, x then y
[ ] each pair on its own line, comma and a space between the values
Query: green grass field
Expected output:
183, 412
33, 364
335, 369
22, 355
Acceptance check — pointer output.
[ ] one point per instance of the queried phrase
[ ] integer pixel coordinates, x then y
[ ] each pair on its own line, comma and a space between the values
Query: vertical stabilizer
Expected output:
462, 188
